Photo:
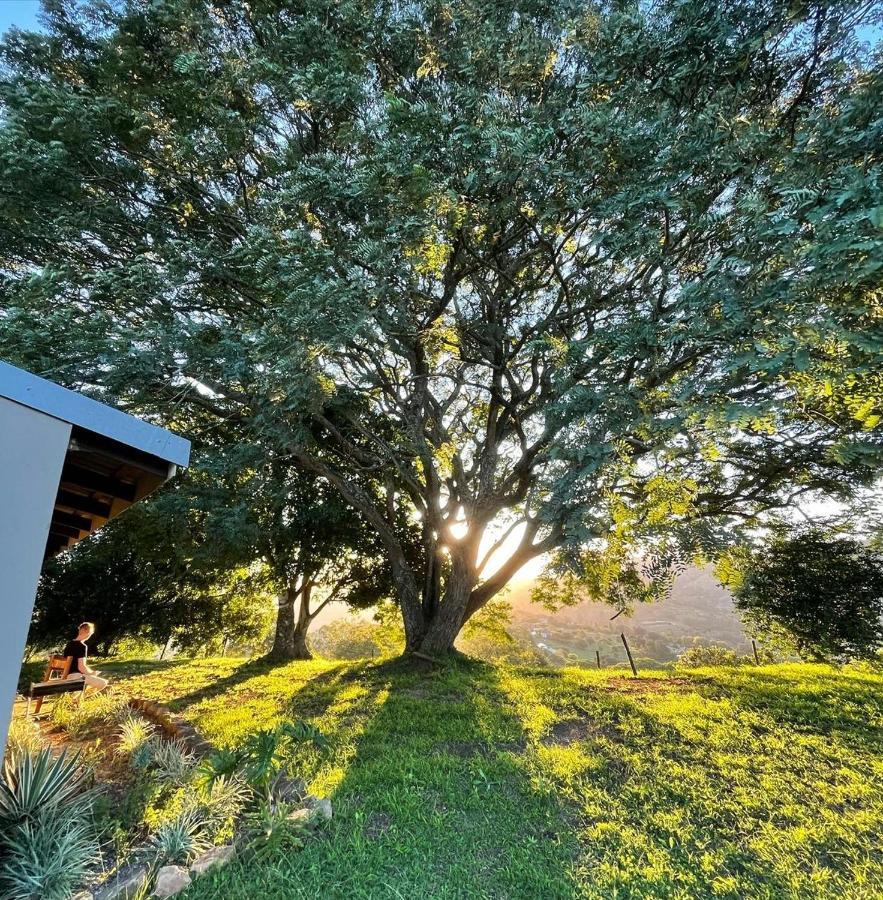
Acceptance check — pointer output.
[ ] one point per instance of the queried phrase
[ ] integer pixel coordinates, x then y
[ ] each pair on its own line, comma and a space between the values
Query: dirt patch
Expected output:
427, 693
645, 685
377, 825
576, 729
570, 731
466, 749
96, 746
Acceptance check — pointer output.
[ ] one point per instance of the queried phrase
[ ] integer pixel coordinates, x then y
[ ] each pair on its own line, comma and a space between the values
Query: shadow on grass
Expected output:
429, 796
126, 674
682, 797
830, 704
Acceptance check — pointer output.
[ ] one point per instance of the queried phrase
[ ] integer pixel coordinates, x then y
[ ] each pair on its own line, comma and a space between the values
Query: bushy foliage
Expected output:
710, 655
273, 833
179, 840
487, 637
24, 737
262, 757
172, 761
355, 639
134, 732
820, 595
76, 716
145, 560
46, 857
39, 781
219, 802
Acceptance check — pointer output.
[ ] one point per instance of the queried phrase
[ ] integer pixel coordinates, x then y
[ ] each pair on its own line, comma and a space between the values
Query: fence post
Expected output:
625, 644
754, 648
598, 658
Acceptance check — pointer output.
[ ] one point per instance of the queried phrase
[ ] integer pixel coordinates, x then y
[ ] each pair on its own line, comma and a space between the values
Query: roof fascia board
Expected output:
69, 406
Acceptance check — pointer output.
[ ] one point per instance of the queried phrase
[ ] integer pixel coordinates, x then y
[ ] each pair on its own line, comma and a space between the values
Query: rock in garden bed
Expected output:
125, 885
214, 858
313, 813
171, 880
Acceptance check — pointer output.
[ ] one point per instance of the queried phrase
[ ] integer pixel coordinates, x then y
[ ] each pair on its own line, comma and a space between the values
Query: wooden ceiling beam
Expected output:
77, 476
82, 504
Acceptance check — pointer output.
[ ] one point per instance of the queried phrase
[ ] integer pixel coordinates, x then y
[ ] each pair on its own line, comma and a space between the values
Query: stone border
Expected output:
174, 727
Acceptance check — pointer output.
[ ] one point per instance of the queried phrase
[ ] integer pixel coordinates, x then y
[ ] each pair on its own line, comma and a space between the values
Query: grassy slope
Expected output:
479, 781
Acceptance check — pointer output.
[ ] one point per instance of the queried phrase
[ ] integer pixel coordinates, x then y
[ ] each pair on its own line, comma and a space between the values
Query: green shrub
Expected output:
172, 760
77, 718
105, 707
65, 713
262, 756
46, 857
710, 655
272, 832
141, 757
35, 782
24, 737
219, 803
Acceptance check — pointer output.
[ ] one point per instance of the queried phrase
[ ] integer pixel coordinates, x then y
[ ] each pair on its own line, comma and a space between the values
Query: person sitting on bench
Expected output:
79, 651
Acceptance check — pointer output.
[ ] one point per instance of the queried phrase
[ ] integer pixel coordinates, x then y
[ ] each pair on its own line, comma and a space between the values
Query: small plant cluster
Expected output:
54, 826
49, 834
183, 811
262, 760
48, 838
237, 793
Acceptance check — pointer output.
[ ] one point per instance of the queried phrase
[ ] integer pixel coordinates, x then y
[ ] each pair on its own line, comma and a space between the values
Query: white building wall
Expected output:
32, 452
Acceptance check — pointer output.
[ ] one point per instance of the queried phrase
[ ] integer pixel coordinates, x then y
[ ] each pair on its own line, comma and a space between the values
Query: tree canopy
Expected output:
136, 580
820, 595
586, 274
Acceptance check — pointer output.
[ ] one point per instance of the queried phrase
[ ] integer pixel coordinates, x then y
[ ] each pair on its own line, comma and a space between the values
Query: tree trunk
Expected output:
432, 625
442, 631
410, 602
300, 650
290, 640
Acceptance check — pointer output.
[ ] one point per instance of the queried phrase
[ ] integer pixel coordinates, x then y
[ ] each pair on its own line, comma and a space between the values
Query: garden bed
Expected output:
150, 803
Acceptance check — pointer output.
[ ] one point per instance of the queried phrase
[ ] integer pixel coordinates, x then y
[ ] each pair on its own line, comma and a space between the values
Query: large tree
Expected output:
312, 549
584, 273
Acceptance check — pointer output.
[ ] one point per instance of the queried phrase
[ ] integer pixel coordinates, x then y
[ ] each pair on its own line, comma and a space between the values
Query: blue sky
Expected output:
19, 12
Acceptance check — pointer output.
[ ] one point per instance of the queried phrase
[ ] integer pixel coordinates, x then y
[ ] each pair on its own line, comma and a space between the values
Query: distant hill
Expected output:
698, 610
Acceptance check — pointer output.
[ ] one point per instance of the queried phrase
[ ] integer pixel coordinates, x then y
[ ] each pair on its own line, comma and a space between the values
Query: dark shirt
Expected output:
79, 651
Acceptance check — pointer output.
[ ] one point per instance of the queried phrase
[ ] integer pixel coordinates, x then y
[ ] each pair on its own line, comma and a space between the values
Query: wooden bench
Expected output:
55, 681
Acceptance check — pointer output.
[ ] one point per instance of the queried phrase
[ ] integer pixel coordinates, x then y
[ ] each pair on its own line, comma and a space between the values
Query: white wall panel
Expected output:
32, 451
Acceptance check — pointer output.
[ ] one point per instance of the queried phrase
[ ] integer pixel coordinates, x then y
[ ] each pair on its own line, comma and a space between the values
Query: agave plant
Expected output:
35, 782
180, 840
46, 858
133, 731
46, 836
142, 756
220, 800
173, 761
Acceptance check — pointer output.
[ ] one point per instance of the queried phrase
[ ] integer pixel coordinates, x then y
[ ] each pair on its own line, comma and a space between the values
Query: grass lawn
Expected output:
479, 781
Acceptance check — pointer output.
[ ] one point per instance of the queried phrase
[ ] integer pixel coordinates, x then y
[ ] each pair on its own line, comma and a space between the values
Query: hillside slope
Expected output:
486, 782
698, 610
